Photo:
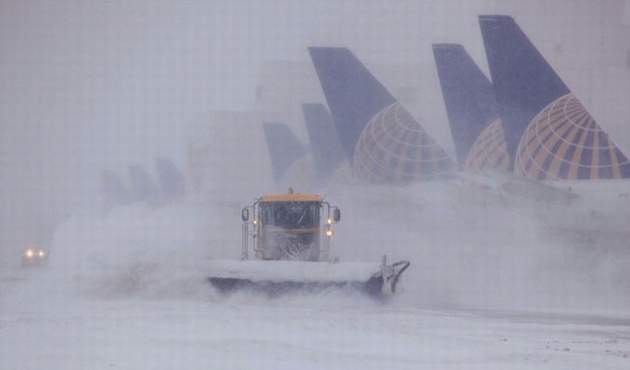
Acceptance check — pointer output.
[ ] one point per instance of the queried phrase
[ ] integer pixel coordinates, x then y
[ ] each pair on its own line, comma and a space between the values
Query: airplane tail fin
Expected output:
143, 187
353, 94
385, 143
524, 82
113, 189
548, 131
468, 96
172, 181
284, 148
325, 145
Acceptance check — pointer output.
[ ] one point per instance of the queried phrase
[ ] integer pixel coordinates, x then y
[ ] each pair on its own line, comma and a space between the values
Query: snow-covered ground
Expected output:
127, 290
329, 331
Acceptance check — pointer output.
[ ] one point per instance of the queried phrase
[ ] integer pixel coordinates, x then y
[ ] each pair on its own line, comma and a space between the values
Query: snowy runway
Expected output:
322, 332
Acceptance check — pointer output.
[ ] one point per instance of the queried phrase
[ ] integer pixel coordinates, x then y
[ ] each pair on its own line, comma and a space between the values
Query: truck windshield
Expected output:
294, 215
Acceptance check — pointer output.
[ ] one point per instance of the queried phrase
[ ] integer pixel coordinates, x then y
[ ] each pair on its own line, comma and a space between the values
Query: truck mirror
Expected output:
336, 214
245, 214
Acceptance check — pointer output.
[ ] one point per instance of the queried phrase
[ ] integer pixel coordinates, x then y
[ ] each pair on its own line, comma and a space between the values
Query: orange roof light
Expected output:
295, 197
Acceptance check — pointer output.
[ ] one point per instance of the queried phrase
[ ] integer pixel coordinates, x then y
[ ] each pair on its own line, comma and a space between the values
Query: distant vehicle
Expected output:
34, 256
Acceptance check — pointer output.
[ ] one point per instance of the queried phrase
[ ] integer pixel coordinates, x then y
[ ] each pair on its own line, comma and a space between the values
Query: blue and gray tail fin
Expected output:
548, 131
143, 186
114, 191
325, 146
353, 94
524, 82
384, 142
468, 96
171, 179
284, 148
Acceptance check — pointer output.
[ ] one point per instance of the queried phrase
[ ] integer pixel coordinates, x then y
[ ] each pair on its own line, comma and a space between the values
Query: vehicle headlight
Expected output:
29, 253
41, 254
329, 233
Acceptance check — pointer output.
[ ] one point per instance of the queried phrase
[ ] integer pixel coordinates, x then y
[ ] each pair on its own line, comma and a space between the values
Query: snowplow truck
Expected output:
286, 246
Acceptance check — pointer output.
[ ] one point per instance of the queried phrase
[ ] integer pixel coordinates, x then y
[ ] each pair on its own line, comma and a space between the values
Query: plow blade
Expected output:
280, 277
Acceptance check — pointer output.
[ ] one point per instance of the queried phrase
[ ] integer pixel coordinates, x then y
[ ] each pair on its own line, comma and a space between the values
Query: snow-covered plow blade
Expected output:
280, 277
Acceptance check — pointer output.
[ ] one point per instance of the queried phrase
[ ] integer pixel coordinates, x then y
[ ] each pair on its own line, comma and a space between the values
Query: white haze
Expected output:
89, 86
93, 85
471, 256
